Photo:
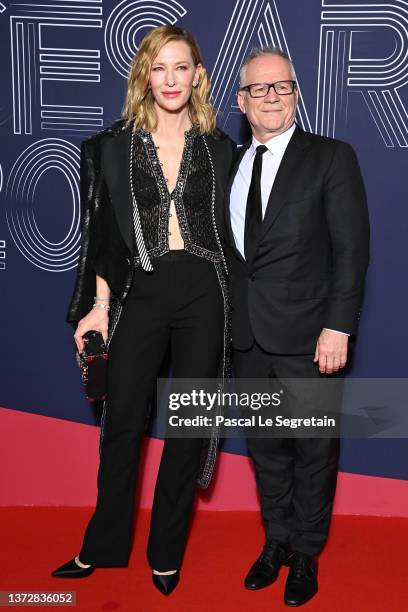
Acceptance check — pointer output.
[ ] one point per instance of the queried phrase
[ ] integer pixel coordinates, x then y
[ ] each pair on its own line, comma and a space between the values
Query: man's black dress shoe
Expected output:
166, 583
72, 570
266, 568
301, 584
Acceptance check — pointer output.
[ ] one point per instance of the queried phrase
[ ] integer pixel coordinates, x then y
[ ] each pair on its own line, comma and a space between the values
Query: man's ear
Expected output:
241, 101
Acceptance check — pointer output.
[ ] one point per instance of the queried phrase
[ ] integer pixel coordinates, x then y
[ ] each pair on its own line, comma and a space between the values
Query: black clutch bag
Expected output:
93, 362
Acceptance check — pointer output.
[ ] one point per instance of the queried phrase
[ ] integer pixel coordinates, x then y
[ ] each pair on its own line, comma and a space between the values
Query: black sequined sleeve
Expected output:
93, 196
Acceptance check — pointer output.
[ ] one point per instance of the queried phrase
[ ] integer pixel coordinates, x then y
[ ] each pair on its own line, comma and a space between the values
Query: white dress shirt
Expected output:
271, 160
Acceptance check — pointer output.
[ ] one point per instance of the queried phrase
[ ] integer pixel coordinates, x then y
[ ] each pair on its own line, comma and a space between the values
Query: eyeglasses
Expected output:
260, 90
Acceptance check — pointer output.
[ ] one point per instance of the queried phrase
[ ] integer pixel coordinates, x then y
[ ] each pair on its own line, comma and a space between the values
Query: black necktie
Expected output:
253, 215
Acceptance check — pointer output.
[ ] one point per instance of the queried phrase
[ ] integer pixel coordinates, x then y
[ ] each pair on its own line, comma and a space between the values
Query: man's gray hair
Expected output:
266, 50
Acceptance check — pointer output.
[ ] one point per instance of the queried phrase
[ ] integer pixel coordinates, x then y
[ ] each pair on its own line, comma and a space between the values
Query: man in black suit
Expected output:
297, 248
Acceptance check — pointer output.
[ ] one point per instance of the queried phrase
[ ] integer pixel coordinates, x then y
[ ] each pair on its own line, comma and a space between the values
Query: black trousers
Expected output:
296, 477
180, 304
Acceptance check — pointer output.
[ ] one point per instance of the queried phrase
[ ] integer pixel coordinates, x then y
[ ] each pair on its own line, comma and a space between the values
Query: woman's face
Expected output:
173, 75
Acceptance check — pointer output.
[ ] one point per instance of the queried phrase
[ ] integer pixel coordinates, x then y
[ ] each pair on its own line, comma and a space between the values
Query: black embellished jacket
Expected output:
108, 245
108, 233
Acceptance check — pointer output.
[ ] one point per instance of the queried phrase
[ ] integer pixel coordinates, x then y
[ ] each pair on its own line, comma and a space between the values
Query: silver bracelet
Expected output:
103, 306
102, 299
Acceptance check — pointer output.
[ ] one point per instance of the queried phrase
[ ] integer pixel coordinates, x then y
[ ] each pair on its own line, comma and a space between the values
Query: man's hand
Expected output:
331, 351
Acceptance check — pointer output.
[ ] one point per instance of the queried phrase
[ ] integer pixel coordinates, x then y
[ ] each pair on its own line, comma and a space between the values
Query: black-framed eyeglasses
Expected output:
260, 90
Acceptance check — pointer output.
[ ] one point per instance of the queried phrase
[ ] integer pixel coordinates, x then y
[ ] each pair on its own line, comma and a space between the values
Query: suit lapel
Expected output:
230, 234
217, 154
288, 169
122, 197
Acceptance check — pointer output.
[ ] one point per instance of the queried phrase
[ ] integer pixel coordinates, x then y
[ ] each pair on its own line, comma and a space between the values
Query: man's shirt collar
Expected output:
277, 144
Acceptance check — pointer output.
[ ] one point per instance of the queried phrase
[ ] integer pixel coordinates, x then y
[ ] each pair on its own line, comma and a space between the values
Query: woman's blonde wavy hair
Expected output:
139, 101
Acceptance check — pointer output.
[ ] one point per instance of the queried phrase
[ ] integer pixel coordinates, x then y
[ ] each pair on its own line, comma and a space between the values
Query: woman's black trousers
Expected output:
178, 306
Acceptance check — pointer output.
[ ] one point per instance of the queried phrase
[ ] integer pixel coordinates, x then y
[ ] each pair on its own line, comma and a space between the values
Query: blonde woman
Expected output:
152, 277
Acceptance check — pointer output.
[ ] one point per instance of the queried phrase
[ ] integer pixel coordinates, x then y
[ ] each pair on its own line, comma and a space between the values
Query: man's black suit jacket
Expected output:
313, 251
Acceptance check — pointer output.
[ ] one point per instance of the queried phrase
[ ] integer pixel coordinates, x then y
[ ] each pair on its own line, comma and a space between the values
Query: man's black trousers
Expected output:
296, 477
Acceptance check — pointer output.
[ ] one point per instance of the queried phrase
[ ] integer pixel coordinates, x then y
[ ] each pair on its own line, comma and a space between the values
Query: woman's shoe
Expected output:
166, 583
72, 570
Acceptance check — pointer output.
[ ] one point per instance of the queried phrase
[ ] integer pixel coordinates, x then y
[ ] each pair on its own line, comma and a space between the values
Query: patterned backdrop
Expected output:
64, 66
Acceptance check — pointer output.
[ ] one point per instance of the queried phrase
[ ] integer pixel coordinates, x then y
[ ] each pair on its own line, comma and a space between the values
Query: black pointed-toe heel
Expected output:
166, 583
72, 570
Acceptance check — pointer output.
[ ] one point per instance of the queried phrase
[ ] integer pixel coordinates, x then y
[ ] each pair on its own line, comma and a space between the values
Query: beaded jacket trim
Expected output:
176, 195
217, 257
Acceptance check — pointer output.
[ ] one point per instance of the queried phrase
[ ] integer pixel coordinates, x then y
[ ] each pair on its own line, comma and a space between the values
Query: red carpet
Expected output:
363, 566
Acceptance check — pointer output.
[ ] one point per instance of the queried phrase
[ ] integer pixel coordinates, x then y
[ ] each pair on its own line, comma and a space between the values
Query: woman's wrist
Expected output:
101, 302
101, 306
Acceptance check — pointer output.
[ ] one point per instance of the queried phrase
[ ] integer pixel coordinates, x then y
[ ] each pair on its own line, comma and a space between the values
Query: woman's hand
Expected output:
97, 319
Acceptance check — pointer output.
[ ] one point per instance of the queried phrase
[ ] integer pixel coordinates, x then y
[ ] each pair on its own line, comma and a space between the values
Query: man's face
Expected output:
273, 114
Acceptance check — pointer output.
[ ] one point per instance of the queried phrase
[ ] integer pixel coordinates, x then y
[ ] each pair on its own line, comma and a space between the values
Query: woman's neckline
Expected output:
189, 136
192, 131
